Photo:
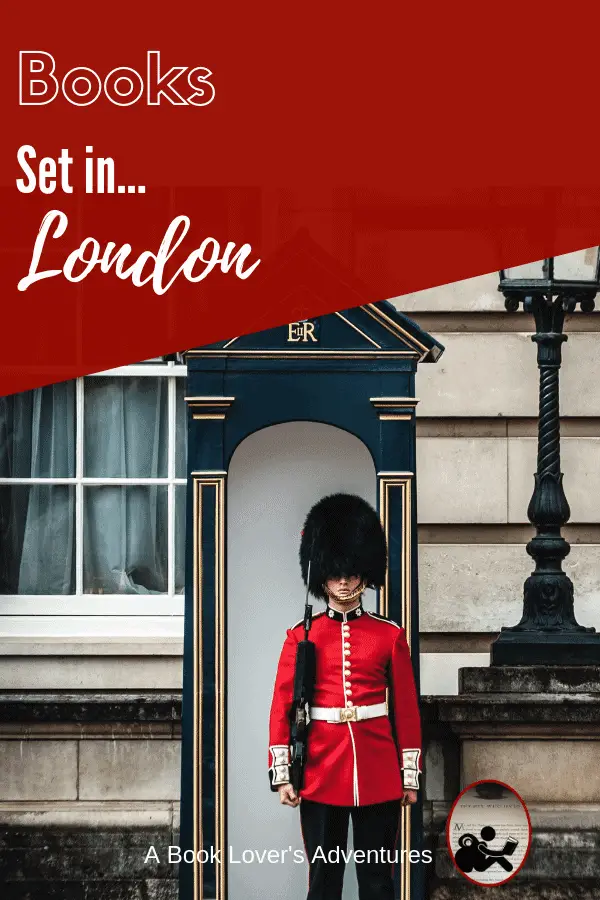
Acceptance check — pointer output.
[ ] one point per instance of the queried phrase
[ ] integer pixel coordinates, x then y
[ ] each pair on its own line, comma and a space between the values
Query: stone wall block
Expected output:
129, 770
38, 770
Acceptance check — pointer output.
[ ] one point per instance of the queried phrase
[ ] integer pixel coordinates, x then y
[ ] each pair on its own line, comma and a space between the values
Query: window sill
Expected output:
145, 605
115, 632
90, 645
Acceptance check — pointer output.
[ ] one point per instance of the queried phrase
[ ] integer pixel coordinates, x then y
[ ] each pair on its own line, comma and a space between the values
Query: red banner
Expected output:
292, 161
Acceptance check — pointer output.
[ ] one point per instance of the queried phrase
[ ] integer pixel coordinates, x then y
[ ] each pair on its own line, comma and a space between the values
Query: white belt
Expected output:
338, 715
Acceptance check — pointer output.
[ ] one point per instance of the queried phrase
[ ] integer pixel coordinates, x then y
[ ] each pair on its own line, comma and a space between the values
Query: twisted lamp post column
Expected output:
548, 633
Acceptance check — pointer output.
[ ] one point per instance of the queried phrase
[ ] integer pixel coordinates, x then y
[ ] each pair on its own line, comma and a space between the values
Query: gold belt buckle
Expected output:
348, 714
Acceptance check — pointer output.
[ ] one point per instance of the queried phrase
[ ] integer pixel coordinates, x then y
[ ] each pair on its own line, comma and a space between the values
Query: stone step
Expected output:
530, 680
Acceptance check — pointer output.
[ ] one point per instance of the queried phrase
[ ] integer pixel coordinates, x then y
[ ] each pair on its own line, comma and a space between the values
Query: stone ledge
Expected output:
90, 707
116, 646
64, 731
89, 814
461, 889
530, 680
545, 817
516, 709
151, 889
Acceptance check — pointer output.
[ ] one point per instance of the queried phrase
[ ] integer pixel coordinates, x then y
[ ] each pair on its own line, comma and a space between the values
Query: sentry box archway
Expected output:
354, 370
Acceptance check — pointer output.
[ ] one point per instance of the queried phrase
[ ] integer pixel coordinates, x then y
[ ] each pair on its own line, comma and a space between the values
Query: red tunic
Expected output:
359, 655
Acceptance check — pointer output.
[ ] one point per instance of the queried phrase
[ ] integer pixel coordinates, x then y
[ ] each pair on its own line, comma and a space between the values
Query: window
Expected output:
92, 495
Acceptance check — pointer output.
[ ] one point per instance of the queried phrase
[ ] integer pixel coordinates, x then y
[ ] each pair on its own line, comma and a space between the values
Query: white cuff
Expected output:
280, 769
410, 769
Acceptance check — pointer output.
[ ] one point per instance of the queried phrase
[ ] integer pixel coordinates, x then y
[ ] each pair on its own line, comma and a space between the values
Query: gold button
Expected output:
348, 684
346, 652
349, 703
348, 691
347, 644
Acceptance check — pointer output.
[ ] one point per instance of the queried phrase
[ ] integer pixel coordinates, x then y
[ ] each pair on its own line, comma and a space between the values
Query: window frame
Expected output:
87, 605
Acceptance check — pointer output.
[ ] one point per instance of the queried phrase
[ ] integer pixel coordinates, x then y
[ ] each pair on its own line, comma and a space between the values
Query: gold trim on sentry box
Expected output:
389, 481
197, 687
220, 686
393, 401
201, 481
362, 333
308, 354
209, 401
197, 416
393, 327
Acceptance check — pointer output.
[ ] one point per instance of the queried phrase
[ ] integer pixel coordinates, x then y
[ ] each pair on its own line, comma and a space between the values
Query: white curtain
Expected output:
37, 440
125, 527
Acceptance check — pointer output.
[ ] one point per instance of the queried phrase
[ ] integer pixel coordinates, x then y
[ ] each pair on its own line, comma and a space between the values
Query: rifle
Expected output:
304, 682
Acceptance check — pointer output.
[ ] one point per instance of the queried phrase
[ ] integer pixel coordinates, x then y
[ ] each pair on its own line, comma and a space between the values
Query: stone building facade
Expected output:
90, 698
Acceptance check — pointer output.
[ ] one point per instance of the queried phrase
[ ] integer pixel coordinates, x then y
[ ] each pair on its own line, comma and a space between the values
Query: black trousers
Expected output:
325, 832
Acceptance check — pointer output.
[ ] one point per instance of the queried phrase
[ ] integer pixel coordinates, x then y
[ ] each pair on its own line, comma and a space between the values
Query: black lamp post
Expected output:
548, 633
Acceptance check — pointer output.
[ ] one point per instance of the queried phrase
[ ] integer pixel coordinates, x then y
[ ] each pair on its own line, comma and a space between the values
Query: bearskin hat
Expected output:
342, 535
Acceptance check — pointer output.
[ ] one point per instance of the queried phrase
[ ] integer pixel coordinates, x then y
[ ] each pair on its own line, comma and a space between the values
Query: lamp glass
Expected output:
527, 271
578, 266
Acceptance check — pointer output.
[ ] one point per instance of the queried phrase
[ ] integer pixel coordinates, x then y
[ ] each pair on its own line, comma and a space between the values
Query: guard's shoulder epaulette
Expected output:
382, 618
301, 622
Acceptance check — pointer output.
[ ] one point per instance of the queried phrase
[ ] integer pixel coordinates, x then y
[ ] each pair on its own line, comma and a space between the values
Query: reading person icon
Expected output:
474, 855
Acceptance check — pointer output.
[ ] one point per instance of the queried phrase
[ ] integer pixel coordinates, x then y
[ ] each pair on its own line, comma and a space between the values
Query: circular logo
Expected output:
488, 832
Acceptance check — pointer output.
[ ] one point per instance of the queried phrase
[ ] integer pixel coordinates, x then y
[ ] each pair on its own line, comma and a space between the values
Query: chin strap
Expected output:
343, 601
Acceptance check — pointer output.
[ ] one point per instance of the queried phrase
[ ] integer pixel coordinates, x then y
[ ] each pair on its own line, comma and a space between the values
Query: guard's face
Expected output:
343, 586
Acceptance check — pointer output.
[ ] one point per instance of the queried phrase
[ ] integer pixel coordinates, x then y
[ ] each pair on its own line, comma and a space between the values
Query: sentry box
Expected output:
276, 420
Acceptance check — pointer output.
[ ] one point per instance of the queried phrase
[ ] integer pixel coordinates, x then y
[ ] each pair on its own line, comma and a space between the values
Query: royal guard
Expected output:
364, 734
